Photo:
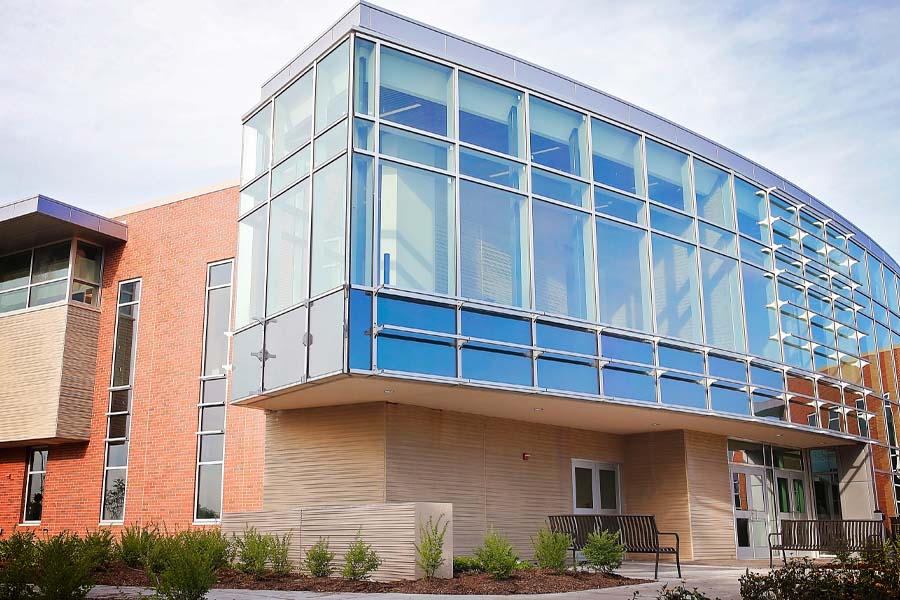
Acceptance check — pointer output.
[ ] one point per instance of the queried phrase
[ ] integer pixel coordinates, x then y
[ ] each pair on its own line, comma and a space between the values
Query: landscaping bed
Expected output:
530, 581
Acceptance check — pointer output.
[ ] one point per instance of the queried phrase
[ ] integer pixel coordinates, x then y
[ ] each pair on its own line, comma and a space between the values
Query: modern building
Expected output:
460, 279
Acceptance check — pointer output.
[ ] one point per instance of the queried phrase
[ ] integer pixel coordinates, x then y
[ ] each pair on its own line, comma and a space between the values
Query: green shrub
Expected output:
319, 559
136, 543
466, 564
496, 555
65, 568
680, 593
254, 550
189, 561
551, 548
360, 559
99, 548
19, 553
430, 549
281, 545
603, 552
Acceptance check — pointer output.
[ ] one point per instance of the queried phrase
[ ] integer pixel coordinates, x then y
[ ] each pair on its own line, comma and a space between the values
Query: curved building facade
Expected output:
462, 278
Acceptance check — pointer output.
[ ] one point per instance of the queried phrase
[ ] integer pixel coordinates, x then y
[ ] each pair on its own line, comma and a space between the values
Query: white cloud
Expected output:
107, 104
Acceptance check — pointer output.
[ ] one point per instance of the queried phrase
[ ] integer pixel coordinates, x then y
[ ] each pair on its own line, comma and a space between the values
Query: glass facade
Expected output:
475, 224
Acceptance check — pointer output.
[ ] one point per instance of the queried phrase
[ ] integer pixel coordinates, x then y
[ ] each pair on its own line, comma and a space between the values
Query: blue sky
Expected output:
107, 104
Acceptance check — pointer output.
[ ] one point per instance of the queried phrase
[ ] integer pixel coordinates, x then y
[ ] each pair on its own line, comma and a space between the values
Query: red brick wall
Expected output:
168, 247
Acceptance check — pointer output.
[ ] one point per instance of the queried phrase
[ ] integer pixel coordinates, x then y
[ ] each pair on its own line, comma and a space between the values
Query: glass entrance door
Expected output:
751, 521
595, 487
790, 496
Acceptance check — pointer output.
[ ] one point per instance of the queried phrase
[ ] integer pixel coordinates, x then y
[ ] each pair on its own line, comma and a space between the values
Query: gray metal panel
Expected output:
652, 124
602, 104
408, 32
326, 326
541, 80
467, 53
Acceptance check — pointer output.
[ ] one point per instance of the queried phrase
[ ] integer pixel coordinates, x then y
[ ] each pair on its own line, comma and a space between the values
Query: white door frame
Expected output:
596, 467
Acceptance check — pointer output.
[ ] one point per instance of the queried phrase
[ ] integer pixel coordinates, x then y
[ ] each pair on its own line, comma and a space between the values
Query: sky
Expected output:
111, 103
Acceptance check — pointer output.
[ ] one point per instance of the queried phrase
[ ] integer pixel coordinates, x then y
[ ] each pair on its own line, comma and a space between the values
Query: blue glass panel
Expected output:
713, 193
716, 238
672, 222
766, 377
617, 157
623, 272
360, 335
490, 168
678, 358
682, 391
759, 311
428, 355
362, 200
416, 92
727, 368
881, 313
416, 315
566, 338
619, 205
669, 176
628, 349
756, 254
623, 381
559, 373
491, 326
363, 135
751, 211
494, 363
551, 185
491, 115
558, 136
416, 148
729, 399
796, 353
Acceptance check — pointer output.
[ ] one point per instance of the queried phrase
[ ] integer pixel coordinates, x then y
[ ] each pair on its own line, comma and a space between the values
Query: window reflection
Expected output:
558, 137
676, 290
623, 268
491, 116
617, 157
416, 92
669, 176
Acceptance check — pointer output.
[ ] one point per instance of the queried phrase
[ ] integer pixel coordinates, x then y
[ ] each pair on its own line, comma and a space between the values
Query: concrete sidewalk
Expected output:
713, 580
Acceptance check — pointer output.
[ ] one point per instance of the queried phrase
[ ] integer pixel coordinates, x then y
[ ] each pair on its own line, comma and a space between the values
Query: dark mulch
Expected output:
533, 581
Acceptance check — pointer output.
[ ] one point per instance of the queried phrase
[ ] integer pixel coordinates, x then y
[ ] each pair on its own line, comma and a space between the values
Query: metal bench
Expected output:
849, 535
637, 533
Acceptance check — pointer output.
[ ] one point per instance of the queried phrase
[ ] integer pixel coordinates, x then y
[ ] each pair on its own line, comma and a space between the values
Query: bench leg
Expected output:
784, 556
656, 572
678, 563
771, 560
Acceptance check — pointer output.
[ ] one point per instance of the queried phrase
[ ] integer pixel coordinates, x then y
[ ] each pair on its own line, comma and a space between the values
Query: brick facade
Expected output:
169, 247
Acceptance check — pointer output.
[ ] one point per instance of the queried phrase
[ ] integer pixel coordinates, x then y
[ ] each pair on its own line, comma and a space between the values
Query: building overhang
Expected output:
606, 415
41, 220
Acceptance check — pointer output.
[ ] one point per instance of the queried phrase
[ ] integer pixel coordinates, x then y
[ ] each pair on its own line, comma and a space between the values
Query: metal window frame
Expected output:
29, 471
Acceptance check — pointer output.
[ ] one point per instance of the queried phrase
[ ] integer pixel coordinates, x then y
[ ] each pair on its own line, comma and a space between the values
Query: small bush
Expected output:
65, 568
19, 553
281, 545
430, 549
189, 561
680, 593
466, 564
136, 544
603, 552
360, 560
551, 548
99, 548
319, 559
253, 552
496, 555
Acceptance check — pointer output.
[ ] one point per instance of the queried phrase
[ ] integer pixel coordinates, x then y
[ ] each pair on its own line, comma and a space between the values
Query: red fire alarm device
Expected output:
525, 456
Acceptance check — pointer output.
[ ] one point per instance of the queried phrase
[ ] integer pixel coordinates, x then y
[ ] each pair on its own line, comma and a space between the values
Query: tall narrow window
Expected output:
623, 266
120, 400
676, 291
34, 484
211, 428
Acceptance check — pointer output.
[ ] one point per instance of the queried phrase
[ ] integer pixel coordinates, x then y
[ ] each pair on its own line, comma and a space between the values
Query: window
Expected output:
752, 215
257, 133
416, 92
669, 176
721, 301
211, 429
332, 86
595, 487
713, 194
492, 169
416, 148
87, 274
494, 263
362, 213
35, 475
558, 137
364, 77
288, 249
293, 117
418, 247
120, 402
563, 274
676, 290
491, 116
257, 192
620, 206
251, 268
330, 144
328, 225
760, 313
558, 187
617, 157
623, 269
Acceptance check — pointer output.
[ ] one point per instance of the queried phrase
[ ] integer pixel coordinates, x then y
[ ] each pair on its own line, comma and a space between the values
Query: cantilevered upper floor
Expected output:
51, 265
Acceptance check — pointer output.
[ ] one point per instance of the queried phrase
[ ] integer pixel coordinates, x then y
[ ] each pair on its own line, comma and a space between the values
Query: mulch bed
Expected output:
533, 581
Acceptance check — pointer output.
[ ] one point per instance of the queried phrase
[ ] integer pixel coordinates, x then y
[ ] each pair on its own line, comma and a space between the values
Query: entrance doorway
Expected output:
595, 487
751, 513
